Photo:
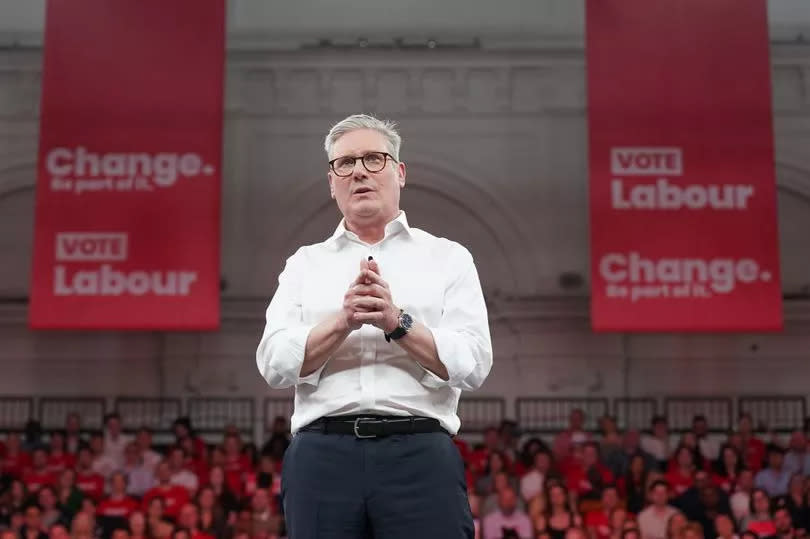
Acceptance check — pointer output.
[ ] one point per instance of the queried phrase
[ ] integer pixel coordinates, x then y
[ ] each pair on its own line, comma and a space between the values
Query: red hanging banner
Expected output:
682, 182
128, 188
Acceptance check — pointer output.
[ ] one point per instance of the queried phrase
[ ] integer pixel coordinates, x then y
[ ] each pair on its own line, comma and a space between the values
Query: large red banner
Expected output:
128, 187
682, 182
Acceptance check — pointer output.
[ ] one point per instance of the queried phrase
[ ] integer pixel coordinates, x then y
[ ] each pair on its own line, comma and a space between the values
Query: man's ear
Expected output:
402, 173
331, 185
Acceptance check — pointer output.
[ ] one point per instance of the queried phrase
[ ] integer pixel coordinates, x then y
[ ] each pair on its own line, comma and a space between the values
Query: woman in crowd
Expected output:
559, 515
760, 521
633, 486
727, 468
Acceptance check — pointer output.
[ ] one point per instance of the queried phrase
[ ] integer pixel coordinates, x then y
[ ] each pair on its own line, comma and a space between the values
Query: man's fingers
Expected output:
374, 278
369, 303
374, 290
374, 316
372, 265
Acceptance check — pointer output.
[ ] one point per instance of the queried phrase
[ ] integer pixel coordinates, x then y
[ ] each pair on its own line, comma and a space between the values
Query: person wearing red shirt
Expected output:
38, 475
118, 505
197, 463
585, 474
727, 469
236, 465
681, 476
174, 496
189, 519
182, 430
479, 457
598, 522
88, 481
753, 447
15, 461
59, 459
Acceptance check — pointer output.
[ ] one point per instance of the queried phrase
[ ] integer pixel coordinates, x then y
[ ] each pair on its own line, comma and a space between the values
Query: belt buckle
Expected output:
357, 428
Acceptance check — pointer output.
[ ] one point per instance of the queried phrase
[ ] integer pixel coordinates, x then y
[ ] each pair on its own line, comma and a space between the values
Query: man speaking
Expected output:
379, 328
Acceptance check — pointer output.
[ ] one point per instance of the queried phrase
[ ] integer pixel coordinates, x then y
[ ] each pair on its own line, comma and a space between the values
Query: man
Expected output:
797, 459
783, 523
740, 501
724, 527
507, 519
597, 521
709, 448
140, 478
774, 479
389, 356
652, 521
88, 481
115, 441
180, 475
657, 443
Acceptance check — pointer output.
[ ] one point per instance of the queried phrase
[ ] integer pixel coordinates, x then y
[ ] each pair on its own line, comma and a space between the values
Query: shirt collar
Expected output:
400, 223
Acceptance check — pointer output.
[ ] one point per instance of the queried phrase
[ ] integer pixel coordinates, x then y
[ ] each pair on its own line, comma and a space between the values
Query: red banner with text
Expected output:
682, 182
128, 188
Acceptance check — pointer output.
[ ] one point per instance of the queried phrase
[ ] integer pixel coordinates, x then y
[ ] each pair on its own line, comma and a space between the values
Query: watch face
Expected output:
405, 321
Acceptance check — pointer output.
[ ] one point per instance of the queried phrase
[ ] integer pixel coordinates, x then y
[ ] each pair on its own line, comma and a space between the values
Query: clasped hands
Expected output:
368, 300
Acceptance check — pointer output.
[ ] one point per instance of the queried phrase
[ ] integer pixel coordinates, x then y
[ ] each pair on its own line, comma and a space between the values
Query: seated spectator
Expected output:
182, 429
32, 436
525, 462
611, 445
58, 459
531, 484
236, 464
265, 477
598, 522
727, 468
760, 519
740, 501
15, 460
619, 519
174, 496
496, 463
681, 476
50, 513
32, 527
88, 481
774, 479
631, 445
700, 497
724, 527
137, 525
633, 484
709, 448
73, 434
652, 521
12, 501
480, 455
657, 443
575, 434
692, 530
502, 481
115, 509
507, 519
752, 448
149, 457
783, 525
195, 463
688, 439
84, 526
115, 441
713, 502
38, 476
264, 517
559, 515
58, 531
179, 474
585, 475
796, 503
279, 439
189, 519
797, 458
225, 497
103, 463
507, 432
675, 525
213, 518
140, 477
155, 514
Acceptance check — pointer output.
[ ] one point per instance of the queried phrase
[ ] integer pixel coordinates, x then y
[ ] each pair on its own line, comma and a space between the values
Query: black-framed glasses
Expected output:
372, 161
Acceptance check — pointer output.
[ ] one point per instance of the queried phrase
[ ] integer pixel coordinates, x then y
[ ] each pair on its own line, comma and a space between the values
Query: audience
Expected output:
607, 484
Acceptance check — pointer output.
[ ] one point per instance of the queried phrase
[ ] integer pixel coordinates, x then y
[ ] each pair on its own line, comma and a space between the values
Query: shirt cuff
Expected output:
291, 357
456, 357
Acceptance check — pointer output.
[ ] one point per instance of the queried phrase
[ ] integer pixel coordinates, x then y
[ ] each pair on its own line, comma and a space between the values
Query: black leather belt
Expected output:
365, 426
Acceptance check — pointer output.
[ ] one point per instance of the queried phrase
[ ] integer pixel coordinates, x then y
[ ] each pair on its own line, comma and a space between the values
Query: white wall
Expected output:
495, 144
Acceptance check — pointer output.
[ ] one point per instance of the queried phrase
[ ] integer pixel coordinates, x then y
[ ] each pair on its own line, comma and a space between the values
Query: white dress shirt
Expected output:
433, 279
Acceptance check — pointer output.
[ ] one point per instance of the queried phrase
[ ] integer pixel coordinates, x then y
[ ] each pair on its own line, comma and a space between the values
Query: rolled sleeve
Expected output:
282, 348
462, 336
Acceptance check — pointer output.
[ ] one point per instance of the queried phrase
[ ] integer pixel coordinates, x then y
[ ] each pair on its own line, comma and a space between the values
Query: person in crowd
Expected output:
775, 478
58, 458
692, 530
752, 447
598, 521
174, 496
760, 518
531, 484
88, 480
675, 525
783, 524
183, 430
73, 433
652, 521
149, 457
496, 463
740, 501
115, 441
797, 458
104, 463
189, 519
140, 477
795, 501
50, 512
657, 443
15, 459
575, 434
633, 484
681, 476
213, 519
611, 445
264, 517
38, 475
507, 517
137, 525
708, 447
559, 512
179, 474
724, 527
585, 475
115, 509
33, 526
279, 439
226, 498
727, 468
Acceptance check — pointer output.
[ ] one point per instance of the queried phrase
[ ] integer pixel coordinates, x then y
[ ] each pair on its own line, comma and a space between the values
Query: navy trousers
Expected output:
337, 486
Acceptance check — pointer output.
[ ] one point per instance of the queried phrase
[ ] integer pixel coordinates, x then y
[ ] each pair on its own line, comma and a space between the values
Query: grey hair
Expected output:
364, 121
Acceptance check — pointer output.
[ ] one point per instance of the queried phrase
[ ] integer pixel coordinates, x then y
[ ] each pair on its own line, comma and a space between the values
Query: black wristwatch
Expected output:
405, 324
